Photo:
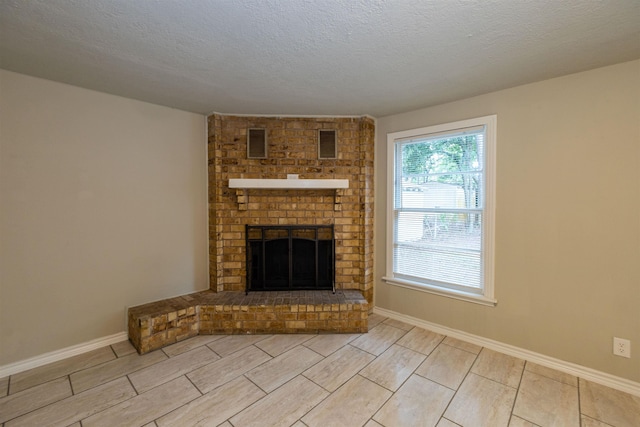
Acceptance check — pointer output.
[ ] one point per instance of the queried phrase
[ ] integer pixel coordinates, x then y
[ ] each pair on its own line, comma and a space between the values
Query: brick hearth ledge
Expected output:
160, 323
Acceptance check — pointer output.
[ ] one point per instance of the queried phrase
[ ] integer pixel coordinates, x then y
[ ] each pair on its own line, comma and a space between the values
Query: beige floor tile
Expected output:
79, 406
608, 405
519, 422
33, 398
275, 345
590, 422
171, 368
232, 343
393, 367
338, 368
377, 340
499, 367
42, 374
547, 402
283, 368
398, 324
221, 371
4, 386
351, 405
446, 423
282, 407
551, 373
123, 348
481, 402
421, 340
447, 365
190, 344
105, 396
146, 407
96, 375
325, 344
215, 407
375, 319
462, 345
418, 402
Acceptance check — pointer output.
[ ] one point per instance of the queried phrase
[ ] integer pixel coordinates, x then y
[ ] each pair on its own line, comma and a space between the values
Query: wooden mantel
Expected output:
242, 185
289, 184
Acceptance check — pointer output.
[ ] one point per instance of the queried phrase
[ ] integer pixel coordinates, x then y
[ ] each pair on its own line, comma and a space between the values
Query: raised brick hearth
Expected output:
160, 323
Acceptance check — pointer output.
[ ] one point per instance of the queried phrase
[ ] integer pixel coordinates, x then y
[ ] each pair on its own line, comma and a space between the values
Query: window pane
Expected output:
443, 247
455, 267
442, 229
454, 191
452, 230
460, 154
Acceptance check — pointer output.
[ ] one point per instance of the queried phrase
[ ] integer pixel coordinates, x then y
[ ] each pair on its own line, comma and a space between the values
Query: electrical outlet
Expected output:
621, 347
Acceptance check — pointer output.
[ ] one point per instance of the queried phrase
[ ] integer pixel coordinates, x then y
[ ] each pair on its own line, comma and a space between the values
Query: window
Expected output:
441, 209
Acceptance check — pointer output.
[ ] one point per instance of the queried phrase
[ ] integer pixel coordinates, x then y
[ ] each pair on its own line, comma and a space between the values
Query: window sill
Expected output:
449, 293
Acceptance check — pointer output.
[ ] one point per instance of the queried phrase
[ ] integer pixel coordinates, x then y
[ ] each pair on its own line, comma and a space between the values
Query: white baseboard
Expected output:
54, 356
588, 374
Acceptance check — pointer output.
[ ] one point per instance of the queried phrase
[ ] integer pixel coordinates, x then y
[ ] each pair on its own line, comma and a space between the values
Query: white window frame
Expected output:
486, 295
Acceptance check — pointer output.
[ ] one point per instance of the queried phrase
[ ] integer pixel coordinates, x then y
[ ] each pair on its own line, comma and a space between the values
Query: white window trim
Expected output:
486, 297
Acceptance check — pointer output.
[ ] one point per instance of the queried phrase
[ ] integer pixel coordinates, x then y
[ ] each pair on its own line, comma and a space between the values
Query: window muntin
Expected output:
441, 207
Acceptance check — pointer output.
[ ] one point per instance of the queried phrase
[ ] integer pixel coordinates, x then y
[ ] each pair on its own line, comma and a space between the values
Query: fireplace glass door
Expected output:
293, 257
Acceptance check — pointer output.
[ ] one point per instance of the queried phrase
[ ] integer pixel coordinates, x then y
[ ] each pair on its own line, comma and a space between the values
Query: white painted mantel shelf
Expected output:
243, 184
289, 184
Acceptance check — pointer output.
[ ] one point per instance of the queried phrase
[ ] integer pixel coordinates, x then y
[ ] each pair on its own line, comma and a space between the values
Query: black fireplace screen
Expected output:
291, 257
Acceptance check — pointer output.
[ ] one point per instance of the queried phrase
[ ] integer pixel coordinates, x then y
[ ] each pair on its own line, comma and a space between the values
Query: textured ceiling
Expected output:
312, 57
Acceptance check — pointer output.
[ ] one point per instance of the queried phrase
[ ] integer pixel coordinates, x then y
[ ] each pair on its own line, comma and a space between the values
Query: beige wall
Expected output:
567, 221
103, 205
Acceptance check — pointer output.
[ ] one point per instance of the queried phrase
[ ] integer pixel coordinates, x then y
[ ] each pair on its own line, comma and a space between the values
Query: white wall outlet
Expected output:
621, 347
292, 176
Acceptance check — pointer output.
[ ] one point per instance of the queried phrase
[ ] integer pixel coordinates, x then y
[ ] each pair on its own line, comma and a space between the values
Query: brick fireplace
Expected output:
291, 149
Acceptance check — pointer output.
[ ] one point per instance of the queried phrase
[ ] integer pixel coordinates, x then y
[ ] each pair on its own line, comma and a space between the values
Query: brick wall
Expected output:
292, 149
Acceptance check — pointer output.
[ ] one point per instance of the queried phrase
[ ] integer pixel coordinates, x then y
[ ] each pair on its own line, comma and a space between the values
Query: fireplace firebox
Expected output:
290, 257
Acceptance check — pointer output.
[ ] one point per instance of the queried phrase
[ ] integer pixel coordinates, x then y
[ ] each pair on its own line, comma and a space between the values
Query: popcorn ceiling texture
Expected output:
377, 57
292, 149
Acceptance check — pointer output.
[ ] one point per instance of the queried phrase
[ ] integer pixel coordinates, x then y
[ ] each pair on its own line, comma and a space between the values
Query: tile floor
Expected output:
396, 375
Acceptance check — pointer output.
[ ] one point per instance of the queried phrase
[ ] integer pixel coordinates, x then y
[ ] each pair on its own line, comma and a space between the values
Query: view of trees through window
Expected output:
452, 161
439, 208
